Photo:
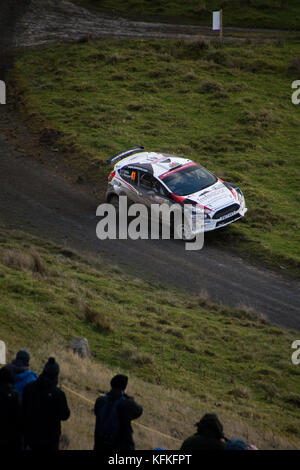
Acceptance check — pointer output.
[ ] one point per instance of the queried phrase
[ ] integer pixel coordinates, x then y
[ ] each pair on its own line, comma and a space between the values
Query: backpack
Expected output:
108, 422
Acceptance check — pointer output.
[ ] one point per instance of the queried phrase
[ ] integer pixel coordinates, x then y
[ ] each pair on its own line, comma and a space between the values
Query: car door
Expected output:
152, 191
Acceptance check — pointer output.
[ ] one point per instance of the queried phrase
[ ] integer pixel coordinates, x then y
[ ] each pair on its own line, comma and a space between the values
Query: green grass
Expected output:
228, 108
279, 14
164, 337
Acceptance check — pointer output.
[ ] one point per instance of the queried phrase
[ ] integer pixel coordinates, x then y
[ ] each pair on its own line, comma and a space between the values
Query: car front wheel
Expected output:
184, 232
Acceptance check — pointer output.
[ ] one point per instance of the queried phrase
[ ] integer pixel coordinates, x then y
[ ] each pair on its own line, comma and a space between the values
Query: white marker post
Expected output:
2, 92
218, 23
2, 353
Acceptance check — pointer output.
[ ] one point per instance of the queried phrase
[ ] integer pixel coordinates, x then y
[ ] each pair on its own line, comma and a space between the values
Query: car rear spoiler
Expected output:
117, 156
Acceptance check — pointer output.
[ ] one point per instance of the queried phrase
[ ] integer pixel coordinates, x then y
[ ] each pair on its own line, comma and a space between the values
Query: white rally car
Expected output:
159, 178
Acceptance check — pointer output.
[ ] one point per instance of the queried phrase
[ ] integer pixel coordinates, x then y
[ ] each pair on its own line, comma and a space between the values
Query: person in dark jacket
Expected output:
22, 374
44, 407
209, 435
10, 412
126, 409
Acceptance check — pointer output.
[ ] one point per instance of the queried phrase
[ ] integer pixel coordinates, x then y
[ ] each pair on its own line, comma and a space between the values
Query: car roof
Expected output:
155, 163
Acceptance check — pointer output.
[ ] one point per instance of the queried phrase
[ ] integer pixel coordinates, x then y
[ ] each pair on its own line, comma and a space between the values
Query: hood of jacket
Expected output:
46, 382
20, 377
210, 426
18, 368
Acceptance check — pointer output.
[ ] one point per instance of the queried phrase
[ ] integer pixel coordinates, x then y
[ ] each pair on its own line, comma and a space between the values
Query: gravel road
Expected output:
37, 200
38, 22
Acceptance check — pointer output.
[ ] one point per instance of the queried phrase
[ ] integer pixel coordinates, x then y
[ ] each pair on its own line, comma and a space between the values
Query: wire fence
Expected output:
82, 397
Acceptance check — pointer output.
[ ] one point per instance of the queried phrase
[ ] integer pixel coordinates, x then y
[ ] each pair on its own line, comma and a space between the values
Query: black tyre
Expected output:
114, 200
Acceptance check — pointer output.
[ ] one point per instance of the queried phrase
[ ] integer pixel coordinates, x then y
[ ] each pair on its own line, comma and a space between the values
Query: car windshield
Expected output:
189, 180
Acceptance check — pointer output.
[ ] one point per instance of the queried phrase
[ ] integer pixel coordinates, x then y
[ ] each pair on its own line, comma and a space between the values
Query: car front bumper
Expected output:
214, 224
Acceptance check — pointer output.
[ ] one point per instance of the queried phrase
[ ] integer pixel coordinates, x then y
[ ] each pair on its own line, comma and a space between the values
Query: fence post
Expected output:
2, 353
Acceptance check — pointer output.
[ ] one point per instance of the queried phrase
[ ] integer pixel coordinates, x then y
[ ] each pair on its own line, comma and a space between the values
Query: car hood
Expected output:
214, 197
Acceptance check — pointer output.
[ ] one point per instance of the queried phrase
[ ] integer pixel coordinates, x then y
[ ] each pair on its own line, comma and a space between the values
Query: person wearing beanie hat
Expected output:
209, 435
51, 369
10, 412
114, 412
22, 374
44, 407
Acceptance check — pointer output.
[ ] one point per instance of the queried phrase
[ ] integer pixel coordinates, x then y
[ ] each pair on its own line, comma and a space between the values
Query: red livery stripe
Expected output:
169, 172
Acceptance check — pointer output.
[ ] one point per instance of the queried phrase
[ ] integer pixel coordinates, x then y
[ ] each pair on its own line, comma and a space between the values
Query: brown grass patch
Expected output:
295, 65
98, 319
166, 421
28, 262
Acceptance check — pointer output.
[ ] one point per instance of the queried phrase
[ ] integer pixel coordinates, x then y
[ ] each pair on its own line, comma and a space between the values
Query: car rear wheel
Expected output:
114, 200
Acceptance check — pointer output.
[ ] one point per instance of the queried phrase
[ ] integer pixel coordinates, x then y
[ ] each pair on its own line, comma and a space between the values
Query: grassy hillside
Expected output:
226, 107
191, 355
278, 14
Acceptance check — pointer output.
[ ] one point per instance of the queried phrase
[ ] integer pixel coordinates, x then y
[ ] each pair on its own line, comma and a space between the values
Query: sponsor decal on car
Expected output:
174, 164
164, 175
227, 215
126, 184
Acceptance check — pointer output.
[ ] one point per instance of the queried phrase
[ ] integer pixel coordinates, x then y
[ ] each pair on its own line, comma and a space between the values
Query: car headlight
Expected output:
198, 211
240, 195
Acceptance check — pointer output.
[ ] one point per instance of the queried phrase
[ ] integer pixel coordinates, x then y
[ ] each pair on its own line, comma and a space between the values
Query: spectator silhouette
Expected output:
114, 413
209, 435
44, 407
10, 412
22, 374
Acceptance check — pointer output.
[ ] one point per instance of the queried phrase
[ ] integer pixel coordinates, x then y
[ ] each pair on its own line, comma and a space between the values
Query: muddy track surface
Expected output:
36, 198
41, 22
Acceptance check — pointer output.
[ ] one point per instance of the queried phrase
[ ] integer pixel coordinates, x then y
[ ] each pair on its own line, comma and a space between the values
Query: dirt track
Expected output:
37, 199
47, 21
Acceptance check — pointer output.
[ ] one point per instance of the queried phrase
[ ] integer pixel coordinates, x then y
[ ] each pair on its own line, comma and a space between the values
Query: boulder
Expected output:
81, 347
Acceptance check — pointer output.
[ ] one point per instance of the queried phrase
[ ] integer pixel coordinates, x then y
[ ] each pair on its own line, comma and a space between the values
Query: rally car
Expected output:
160, 178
